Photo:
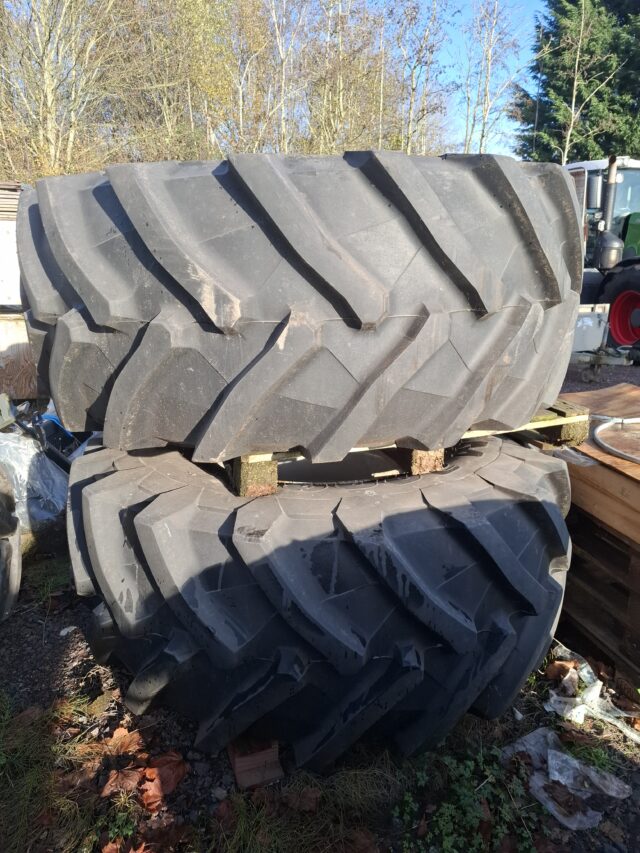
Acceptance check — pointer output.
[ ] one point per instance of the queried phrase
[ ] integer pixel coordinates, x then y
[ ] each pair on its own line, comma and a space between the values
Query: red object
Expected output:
620, 313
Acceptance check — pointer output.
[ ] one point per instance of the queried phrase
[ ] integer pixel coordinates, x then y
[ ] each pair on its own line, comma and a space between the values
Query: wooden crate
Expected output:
603, 485
603, 589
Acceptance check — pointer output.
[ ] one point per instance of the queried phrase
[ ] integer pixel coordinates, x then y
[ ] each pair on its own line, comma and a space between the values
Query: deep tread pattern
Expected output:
271, 302
322, 612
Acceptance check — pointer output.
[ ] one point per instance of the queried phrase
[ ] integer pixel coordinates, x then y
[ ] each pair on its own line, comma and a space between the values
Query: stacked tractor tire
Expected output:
199, 312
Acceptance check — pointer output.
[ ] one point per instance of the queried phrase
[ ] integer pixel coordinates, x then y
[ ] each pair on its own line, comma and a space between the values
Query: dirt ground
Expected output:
78, 772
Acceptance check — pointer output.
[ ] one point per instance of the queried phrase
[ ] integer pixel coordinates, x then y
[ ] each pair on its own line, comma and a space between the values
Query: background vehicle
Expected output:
609, 192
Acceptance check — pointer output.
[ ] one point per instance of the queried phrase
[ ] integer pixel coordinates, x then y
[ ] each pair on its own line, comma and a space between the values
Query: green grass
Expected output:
33, 755
352, 801
42, 578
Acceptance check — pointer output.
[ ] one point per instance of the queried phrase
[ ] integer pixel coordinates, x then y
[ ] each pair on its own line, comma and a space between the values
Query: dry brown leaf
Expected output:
485, 826
123, 742
626, 704
612, 831
164, 774
306, 800
226, 816
625, 688
604, 672
557, 670
113, 846
362, 841
571, 734
266, 798
26, 717
77, 779
569, 802
122, 780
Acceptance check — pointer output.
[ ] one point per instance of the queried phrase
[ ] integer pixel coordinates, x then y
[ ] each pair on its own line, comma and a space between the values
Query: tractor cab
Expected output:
609, 195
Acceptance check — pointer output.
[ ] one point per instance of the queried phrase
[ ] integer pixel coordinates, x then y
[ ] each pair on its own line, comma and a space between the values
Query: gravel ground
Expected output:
606, 377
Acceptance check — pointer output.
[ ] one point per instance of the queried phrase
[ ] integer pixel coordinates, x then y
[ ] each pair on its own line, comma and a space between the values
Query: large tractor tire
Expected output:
322, 303
323, 612
621, 289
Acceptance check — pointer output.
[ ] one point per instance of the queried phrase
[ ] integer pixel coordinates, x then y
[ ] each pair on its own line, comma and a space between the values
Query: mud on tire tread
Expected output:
313, 615
355, 294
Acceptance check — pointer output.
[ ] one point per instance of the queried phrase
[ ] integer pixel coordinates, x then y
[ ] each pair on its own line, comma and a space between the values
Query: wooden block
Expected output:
255, 763
254, 479
416, 462
571, 434
426, 461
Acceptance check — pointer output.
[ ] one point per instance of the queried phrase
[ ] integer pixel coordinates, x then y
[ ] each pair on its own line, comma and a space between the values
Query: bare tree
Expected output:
491, 46
56, 59
420, 36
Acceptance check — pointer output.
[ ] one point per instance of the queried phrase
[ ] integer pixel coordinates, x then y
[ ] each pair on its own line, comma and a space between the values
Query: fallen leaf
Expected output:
626, 688
423, 827
266, 798
113, 846
604, 672
485, 826
122, 780
509, 844
572, 734
123, 742
164, 774
26, 717
612, 831
306, 800
362, 841
226, 816
626, 704
565, 799
165, 836
559, 668
77, 779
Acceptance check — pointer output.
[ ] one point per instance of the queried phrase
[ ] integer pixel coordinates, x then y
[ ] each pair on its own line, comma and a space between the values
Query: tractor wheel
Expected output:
621, 289
323, 612
271, 302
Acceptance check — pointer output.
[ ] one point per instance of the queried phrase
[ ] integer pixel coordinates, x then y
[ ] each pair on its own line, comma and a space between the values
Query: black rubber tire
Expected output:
323, 612
10, 552
616, 281
268, 302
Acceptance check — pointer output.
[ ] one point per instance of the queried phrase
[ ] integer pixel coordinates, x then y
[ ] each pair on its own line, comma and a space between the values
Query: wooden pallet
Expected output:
603, 589
563, 423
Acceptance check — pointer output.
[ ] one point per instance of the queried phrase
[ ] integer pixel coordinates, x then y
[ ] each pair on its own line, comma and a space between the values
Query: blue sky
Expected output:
524, 16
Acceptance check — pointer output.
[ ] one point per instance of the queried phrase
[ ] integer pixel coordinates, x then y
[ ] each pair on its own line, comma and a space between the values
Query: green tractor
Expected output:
609, 192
